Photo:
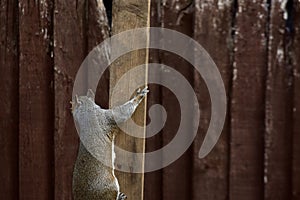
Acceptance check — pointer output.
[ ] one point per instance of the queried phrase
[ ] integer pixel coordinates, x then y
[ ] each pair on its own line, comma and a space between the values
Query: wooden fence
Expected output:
256, 46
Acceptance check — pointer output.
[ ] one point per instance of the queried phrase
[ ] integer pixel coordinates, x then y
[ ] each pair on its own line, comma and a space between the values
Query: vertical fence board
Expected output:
9, 116
137, 13
213, 31
296, 109
69, 51
278, 142
38, 165
36, 100
153, 180
247, 101
177, 176
98, 30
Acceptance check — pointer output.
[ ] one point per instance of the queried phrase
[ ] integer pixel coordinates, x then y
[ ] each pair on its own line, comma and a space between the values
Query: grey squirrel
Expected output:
91, 178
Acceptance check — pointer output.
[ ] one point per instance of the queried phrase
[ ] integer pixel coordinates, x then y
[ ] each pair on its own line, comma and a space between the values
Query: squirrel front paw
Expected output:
140, 94
122, 196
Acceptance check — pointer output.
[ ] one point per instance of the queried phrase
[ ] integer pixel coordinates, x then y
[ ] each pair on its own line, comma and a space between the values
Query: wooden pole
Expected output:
127, 15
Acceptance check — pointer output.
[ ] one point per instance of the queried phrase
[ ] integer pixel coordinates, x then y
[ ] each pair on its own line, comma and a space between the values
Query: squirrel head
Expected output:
83, 110
83, 102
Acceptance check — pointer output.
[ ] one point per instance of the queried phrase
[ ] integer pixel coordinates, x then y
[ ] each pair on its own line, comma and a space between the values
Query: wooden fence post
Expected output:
127, 15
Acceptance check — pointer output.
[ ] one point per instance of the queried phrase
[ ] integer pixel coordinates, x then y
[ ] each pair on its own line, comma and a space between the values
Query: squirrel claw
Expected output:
143, 92
122, 196
140, 94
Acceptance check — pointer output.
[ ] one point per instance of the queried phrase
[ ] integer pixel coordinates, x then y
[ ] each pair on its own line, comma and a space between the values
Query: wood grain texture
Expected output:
153, 180
177, 177
213, 20
70, 48
136, 14
9, 117
35, 101
42, 44
247, 101
295, 52
279, 102
98, 30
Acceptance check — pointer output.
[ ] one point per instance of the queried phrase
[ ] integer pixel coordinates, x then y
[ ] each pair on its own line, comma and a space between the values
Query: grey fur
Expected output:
93, 180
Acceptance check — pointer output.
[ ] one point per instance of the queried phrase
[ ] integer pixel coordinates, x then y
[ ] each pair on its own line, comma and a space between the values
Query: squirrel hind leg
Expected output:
122, 196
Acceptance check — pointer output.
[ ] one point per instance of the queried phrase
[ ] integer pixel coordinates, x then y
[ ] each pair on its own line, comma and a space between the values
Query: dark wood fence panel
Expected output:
279, 103
70, 48
98, 30
212, 29
247, 101
178, 173
255, 46
36, 100
9, 112
296, 128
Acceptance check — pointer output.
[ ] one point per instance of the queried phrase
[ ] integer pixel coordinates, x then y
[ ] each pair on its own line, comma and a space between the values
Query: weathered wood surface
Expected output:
136, 14
69, 50
36, 175
98, 30
172, 178
9, 87
153, 180
212, 30
295, 52
247, 101
279, 105
255, 48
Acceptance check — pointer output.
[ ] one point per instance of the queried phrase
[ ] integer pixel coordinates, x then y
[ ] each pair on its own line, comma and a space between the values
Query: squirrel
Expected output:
92, 179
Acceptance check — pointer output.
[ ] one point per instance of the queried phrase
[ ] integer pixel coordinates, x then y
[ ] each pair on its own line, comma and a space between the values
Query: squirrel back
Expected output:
92, 179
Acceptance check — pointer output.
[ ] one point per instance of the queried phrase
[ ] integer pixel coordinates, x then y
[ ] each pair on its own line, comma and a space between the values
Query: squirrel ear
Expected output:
91, 94
76, 99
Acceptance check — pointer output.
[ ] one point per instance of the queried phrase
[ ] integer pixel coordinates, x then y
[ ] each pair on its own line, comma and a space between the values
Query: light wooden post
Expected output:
127, 15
